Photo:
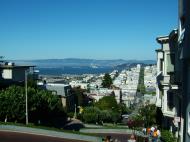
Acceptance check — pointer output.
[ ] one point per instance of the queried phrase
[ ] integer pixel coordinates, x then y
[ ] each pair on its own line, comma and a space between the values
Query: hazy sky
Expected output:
96, 29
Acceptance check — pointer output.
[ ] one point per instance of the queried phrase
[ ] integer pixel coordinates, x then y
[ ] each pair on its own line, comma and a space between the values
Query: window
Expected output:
170, 63
188, 123
161, 65
170, 100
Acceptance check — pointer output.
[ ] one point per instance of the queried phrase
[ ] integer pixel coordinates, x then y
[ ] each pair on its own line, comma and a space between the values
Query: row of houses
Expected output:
173, 76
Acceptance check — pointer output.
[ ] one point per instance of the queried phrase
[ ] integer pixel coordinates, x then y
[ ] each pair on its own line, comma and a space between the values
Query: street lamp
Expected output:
26, 96
75, 113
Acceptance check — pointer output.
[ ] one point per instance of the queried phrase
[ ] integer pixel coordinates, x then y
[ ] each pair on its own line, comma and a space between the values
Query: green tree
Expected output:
42, 105
107, 81
141, 87
110, 110
91, 114
107, 103
12, 103
148, 114
79, 96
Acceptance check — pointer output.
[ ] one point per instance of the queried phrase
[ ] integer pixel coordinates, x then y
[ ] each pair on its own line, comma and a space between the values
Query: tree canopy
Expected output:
107, 81
107, 103
42, 105
148, 114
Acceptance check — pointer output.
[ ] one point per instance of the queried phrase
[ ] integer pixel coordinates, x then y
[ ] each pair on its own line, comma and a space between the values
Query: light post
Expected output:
26, 96
75, 114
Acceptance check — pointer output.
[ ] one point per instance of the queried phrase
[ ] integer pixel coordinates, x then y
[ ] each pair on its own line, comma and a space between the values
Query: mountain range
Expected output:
76, 62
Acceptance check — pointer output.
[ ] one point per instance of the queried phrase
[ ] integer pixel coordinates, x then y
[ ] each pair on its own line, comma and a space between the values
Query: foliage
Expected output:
115, 116
43, 107
105, 115
167, 136
135, 122
31, 82
95, 115
153, 93
141, 87
148, 114
105, 110
123, 109
91, 114
107, 81
107, 103
80, 98
12, 103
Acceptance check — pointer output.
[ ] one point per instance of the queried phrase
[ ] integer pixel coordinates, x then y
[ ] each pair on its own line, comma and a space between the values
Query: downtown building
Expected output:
173, 77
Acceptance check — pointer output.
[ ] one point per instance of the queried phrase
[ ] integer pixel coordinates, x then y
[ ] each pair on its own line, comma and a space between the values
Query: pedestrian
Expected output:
108, 139
155, 135
152, 128
144, 131
159, 134
132, 138
148, 131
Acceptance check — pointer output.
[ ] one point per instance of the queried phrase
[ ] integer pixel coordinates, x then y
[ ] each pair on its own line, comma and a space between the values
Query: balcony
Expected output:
158, 102
168, 113
159, 78
166, 80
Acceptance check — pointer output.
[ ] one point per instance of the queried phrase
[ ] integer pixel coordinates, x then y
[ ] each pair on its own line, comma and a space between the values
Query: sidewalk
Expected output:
49, 133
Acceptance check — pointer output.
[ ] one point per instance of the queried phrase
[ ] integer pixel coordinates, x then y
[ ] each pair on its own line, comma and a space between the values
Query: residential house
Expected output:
184, 50
14, 74
168, 95
64, 91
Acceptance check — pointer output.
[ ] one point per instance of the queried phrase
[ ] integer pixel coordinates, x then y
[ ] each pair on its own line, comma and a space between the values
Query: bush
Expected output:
91, 114
167, 136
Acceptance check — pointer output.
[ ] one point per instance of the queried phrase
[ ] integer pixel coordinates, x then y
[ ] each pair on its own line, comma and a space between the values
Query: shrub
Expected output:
167, 136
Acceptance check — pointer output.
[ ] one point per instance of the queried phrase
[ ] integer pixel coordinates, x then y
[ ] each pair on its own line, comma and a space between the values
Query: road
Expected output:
6, 136
115, 137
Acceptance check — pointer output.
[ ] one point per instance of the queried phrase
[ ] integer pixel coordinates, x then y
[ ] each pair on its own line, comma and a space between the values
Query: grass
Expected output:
31, 125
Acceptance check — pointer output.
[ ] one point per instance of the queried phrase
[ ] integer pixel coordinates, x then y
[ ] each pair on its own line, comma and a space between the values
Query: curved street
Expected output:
7, 136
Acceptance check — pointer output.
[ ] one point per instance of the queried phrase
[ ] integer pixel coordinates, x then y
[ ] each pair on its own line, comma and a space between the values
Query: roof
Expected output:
159, 50
162, 39
14, 66
60, 89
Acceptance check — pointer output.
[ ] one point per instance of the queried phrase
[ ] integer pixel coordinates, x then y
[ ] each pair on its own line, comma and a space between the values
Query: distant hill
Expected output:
54, 63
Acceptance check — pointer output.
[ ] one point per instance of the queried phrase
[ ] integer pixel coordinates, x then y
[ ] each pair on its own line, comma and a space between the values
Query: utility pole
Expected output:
26, 96
75, 114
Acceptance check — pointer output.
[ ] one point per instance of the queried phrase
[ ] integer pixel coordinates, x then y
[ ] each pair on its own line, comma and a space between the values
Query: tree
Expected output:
110, 110
107, 103
148, 113
42, 105
91, 114
80, 98
12, 104
141, 87
107, 81
123, 109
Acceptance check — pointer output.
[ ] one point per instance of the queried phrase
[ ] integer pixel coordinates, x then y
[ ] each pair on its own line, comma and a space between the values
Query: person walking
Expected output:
132, 138
155, 136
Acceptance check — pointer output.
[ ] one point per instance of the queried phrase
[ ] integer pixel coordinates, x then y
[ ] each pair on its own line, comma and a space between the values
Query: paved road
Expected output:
50, 133
115, 137
6, 136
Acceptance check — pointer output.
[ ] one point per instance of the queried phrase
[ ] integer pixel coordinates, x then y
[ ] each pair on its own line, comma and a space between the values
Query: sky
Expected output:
90, 29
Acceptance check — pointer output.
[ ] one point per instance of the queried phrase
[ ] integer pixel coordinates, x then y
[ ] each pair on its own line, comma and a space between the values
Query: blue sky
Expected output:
95, 29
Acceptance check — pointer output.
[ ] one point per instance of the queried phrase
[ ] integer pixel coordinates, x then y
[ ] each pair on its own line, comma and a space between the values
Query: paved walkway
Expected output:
117, 131
50, 133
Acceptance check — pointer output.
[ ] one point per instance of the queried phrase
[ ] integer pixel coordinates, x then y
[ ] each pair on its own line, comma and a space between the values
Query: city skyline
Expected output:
84, 29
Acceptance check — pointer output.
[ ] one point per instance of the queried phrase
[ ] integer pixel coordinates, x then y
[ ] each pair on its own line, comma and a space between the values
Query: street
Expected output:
23, 137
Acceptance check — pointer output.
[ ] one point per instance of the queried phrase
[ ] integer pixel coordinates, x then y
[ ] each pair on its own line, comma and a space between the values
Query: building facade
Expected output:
173, 76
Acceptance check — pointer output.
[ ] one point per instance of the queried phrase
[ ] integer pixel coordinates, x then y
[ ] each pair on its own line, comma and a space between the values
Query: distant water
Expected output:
74, 70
